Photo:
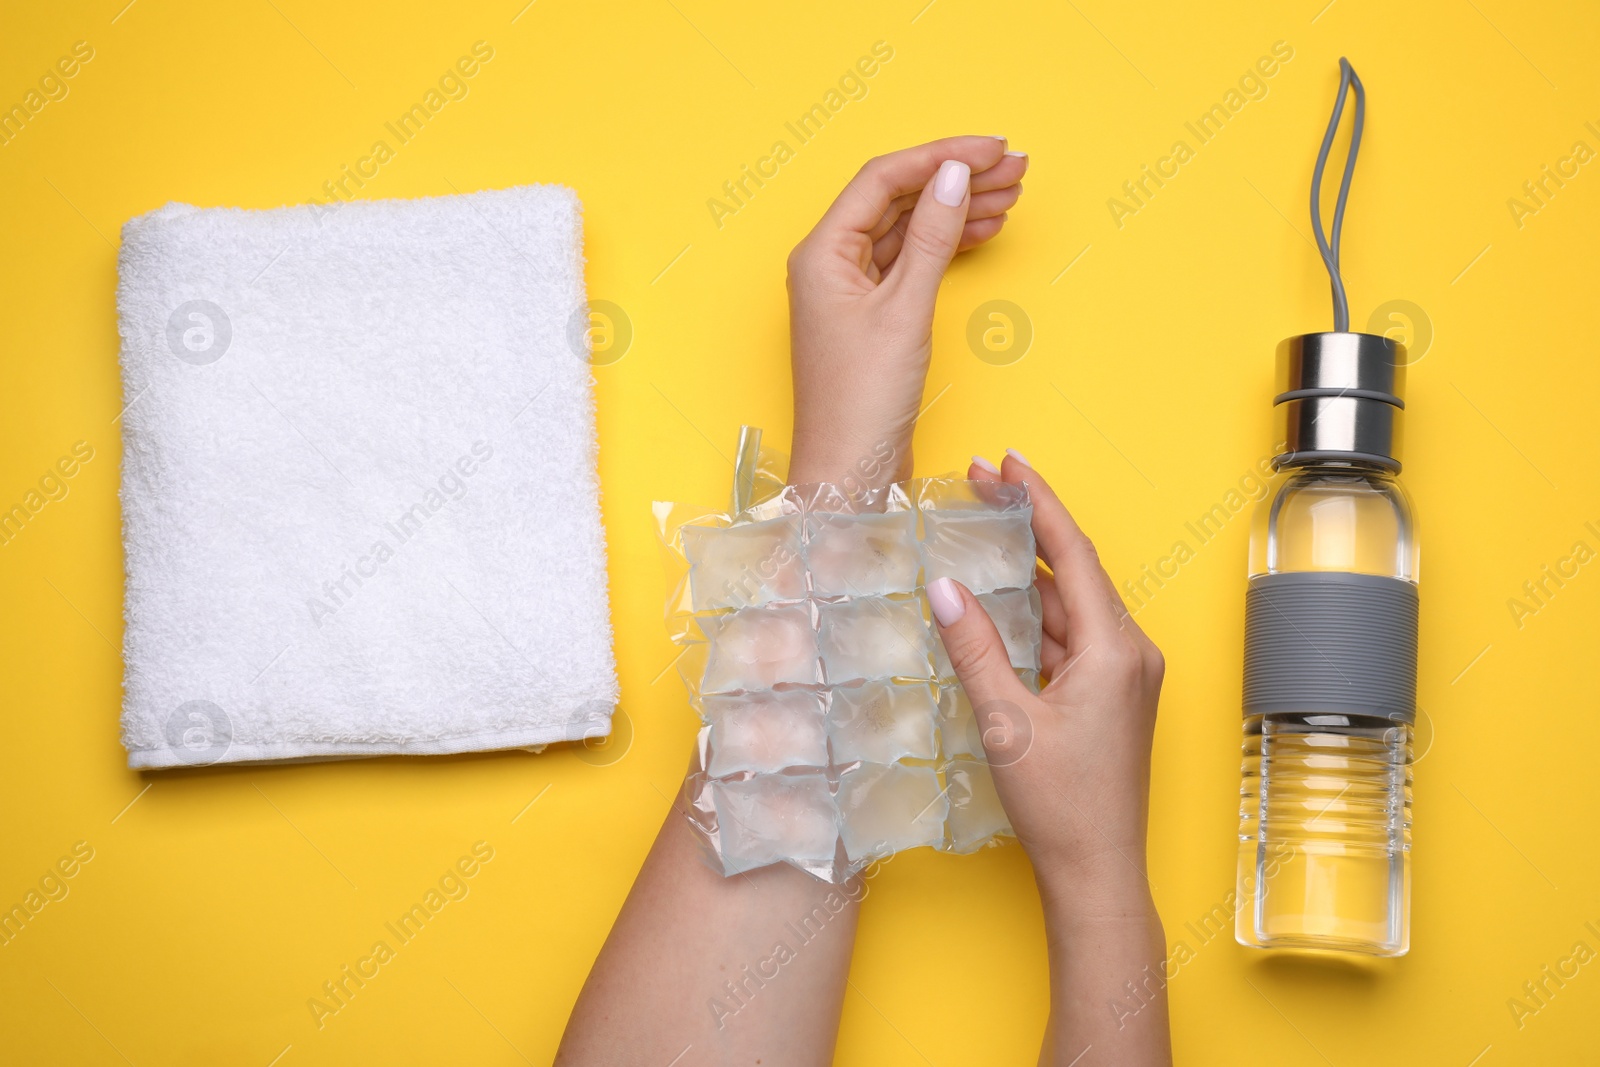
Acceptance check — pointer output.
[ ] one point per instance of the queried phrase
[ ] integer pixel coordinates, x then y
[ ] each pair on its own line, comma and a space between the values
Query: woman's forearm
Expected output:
740, 970
745, 969
1108, 979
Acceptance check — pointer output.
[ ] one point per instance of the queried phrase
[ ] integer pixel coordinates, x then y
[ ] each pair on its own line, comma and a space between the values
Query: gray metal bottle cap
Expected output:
1339, 399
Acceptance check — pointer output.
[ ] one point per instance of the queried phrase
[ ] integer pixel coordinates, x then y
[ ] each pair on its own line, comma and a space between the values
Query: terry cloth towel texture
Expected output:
361, 509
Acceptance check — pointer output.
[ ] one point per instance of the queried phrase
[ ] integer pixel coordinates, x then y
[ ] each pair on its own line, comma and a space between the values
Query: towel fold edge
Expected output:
152, 759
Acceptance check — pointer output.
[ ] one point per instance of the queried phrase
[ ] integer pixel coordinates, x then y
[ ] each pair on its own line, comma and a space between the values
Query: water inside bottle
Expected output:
1325, 834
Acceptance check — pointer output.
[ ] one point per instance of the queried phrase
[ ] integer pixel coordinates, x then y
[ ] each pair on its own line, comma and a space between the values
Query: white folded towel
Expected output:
360, 501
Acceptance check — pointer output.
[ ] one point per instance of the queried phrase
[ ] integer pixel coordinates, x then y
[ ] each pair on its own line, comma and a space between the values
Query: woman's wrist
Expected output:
1130, 920
1110, 888
819, 455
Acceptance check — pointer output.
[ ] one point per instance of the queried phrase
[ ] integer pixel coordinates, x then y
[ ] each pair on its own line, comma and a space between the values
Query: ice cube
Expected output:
1018, 615
773, 817
880, 723
758, 648
746, 564
887, 808
976, 816
983, 550
766, 731
958, 729
862, 555
874, 637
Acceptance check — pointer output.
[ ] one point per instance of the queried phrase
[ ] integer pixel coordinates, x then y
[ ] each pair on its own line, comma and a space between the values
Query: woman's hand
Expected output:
862, 286
1072, 764
1072, 767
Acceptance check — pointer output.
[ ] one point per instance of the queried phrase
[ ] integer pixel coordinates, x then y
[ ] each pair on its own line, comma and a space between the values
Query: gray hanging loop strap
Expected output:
1329, 246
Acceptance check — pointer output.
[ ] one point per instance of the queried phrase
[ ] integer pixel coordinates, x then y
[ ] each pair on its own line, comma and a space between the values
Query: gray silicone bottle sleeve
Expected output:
1331, 642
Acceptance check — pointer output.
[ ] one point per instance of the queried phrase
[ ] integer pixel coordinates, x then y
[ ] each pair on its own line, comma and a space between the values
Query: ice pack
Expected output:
833, 730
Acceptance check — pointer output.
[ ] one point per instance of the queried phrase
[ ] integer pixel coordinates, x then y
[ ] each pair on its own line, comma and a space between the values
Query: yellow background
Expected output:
221, 899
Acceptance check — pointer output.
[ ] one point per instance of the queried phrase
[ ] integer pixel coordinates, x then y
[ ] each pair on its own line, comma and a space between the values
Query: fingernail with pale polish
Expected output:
950, 184
1019, 155
983, 464
946, 602
1019, 457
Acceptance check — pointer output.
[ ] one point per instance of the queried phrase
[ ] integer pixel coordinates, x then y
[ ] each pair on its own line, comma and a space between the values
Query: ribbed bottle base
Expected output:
1325, 834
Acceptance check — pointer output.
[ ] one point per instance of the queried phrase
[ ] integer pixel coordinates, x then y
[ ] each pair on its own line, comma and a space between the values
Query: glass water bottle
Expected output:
1330, 661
